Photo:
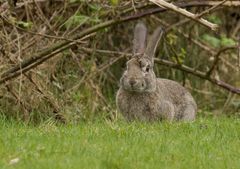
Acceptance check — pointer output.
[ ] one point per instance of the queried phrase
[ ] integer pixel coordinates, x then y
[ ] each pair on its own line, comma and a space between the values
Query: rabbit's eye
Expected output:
147, 69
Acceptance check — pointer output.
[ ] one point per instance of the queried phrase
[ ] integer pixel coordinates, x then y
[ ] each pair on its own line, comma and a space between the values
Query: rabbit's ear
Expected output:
140, 33
153, 43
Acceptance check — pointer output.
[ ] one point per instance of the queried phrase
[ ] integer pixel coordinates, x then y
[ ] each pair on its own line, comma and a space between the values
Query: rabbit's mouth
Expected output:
134, 86
137, 90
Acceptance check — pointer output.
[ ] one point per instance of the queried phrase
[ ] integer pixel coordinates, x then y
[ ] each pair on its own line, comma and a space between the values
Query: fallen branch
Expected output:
185, 13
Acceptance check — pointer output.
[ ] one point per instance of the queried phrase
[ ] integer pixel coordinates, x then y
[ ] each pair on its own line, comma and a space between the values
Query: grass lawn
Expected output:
205, 143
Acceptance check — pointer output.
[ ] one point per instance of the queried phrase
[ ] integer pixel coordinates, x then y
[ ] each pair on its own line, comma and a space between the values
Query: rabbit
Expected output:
144, 97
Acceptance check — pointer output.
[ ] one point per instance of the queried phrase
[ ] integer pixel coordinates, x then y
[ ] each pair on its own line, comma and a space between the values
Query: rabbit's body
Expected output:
144, 97
169, 101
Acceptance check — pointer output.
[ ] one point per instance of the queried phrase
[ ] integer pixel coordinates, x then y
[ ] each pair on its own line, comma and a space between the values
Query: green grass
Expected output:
206, 143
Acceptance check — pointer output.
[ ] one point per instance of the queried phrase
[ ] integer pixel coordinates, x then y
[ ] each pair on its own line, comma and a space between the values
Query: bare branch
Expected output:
46, 54
181, 67
217, 58
186, 13
200, 74
239, 51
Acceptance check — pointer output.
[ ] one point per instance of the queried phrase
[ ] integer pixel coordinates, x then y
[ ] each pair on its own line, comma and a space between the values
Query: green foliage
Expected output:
114, 2
22, 24
95, 7
214, 19
218, 42
172, 38
75, 20
205, 143
78, 19
182, 55
227, 41
212, 40
25, 24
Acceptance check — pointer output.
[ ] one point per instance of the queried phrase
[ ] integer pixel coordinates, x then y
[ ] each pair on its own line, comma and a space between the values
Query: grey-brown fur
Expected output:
144, 97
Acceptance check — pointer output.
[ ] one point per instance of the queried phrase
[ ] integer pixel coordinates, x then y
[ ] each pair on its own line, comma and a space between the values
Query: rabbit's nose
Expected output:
132, 82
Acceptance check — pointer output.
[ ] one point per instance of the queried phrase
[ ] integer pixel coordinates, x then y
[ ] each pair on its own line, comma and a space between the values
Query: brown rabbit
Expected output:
144, 97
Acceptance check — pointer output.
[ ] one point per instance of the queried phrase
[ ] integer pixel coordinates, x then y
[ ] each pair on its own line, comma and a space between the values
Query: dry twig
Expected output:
186, 13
